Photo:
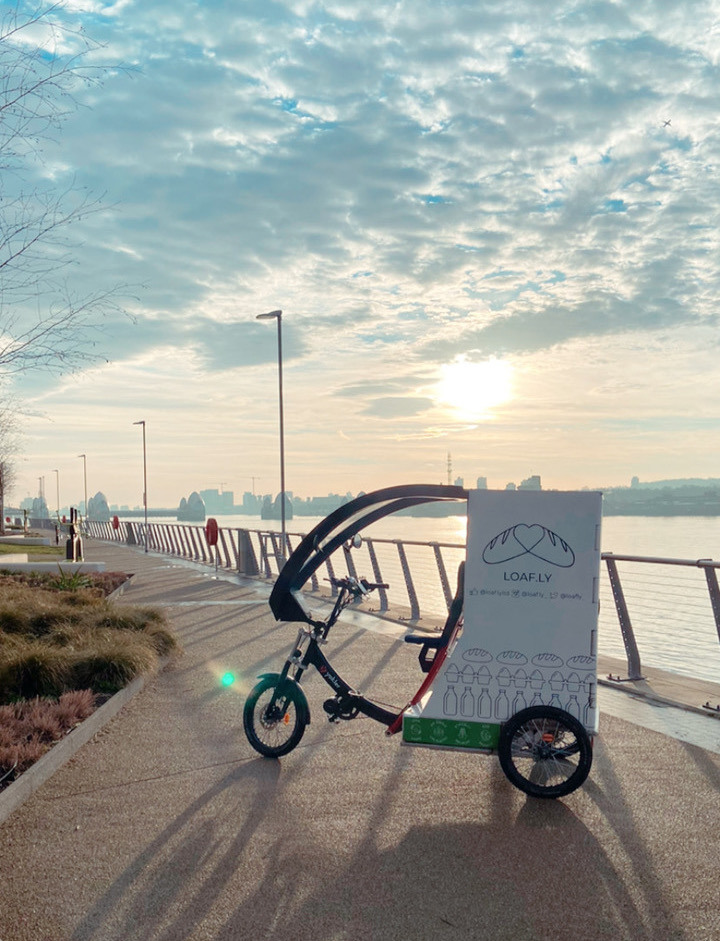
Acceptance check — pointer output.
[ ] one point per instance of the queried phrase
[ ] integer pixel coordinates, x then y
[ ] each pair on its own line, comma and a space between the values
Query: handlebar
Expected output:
355, 586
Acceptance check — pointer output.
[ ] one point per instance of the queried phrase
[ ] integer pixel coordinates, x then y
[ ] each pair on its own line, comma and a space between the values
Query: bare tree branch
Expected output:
44, 322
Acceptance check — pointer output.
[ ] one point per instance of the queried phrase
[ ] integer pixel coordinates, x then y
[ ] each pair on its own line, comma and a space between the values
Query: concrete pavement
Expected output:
168, 827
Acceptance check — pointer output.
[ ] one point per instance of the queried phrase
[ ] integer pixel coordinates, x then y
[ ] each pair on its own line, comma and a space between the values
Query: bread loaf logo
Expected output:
533, 540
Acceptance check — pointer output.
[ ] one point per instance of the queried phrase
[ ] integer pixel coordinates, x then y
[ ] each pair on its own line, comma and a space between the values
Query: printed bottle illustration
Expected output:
590, 704
519, 702
573, 707
450, 702
502, 706
555, 701
484, 705
467, 703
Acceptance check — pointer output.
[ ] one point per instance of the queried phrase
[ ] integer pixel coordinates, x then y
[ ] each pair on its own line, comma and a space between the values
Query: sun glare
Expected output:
474, 389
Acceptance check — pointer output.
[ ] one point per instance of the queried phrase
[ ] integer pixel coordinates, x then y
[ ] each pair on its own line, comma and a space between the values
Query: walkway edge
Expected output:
36, 775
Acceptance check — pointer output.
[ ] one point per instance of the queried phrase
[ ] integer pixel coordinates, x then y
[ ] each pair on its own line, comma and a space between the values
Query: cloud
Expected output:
409, 183
398, 406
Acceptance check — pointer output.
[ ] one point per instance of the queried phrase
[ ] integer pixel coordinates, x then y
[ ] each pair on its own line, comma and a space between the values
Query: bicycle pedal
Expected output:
333, 709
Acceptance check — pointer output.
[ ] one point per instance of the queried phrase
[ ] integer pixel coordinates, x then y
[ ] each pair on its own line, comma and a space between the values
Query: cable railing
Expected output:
668, 608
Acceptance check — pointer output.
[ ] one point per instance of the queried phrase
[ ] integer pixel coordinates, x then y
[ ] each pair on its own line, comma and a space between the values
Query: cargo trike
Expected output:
522, 686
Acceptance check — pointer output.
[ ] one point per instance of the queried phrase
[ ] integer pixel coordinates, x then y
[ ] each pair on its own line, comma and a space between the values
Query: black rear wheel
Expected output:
274, 717
544, 751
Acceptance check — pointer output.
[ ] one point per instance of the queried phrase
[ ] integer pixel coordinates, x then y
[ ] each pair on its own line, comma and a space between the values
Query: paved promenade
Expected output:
168, 827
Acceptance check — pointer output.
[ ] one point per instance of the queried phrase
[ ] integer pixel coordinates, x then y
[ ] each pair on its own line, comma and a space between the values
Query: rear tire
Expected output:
544, 751
274, 717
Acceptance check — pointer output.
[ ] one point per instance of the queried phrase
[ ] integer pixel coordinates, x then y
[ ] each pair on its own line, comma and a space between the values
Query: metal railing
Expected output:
669, 607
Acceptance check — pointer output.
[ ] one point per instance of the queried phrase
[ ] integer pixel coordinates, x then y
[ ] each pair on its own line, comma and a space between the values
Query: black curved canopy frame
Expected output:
286, 600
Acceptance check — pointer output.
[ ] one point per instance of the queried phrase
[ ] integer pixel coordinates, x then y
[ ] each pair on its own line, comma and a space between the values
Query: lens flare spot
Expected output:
227, 679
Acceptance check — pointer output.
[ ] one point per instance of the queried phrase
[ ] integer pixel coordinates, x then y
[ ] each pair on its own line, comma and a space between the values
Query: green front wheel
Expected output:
274, 717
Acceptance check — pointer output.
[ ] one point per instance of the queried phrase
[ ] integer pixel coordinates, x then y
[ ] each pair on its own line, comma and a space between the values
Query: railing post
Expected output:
377, 574
440, 562
626, 628
246, 561
221, 542
277, 543
412, 595
191, 539
265, 558
713, 590
331, 576
350, 563
176, 541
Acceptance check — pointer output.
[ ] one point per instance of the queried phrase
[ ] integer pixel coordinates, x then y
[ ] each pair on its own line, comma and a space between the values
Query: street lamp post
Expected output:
57, 480
144, 482
84, 457
277, 315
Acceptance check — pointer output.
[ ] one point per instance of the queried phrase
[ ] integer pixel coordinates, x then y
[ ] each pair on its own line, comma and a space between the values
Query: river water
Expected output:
677, 537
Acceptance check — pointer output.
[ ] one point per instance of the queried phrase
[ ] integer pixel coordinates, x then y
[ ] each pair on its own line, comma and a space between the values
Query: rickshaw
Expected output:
544, 747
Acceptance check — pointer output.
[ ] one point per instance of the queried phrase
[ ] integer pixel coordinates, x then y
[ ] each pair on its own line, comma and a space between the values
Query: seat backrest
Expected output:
456, 607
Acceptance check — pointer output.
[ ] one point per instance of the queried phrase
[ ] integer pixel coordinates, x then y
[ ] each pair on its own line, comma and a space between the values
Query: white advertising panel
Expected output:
530, 617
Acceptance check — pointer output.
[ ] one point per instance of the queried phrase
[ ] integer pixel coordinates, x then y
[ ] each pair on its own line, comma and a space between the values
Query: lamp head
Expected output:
273, 315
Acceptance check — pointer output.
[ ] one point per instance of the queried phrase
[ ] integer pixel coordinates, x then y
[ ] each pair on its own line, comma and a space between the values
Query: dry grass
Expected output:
59, 650
53, 641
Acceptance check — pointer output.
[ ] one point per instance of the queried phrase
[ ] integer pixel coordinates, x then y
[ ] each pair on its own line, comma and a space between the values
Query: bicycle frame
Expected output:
307, 652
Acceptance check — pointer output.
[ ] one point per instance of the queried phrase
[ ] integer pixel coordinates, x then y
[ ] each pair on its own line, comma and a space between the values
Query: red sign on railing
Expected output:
211, 532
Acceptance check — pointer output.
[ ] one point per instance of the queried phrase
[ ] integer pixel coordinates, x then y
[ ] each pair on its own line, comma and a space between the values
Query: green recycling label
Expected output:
450, 732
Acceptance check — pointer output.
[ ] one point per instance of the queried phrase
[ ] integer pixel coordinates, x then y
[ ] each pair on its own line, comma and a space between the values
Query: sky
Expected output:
492, 229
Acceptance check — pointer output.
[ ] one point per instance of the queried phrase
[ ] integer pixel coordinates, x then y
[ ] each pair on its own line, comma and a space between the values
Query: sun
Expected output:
473, 390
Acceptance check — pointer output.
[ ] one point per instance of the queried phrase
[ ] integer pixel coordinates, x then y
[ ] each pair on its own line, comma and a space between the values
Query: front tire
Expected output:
274, 717
544, 751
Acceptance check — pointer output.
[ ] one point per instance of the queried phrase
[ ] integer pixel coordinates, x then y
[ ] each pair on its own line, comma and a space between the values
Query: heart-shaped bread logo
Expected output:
529, 536
528, 539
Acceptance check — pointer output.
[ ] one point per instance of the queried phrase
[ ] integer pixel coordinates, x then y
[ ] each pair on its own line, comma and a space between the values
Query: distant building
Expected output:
191, 510
510, 486
481, 483
320, 506
459, 482
98, 508
635, 482
217, 502
251, 503
531, 483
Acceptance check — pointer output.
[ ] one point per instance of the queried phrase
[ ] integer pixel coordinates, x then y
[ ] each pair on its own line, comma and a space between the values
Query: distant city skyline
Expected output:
227, 502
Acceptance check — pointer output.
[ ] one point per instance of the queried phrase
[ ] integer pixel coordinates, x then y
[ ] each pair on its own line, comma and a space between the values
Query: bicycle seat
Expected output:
443, 639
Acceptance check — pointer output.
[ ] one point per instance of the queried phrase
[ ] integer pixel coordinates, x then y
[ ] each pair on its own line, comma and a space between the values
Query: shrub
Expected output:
29, 729
52, 642
113, 663
33, 669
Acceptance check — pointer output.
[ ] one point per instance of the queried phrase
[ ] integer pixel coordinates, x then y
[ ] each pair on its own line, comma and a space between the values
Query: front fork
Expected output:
297, 662
343, 704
